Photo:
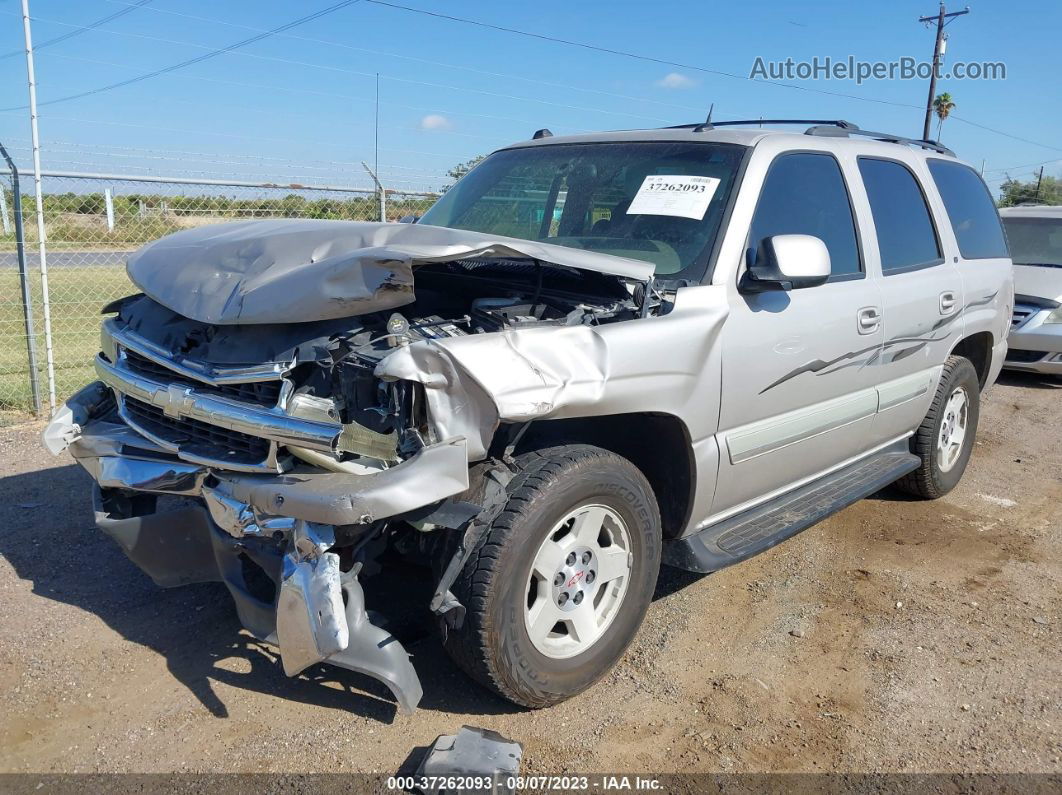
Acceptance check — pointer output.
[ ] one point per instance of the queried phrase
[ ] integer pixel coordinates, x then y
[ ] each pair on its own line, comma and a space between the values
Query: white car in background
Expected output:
1035, 235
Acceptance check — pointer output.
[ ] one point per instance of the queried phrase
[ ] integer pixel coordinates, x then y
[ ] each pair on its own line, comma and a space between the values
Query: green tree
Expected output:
1015, 192
943, 105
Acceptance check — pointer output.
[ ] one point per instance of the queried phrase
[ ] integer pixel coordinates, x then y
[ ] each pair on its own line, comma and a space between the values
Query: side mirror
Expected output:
787, 262
409, 219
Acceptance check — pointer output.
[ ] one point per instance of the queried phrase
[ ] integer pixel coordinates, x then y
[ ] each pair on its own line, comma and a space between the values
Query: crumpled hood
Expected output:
1038, 281
292, 271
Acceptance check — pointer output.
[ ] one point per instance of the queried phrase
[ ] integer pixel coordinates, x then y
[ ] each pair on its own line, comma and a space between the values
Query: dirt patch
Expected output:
896, 636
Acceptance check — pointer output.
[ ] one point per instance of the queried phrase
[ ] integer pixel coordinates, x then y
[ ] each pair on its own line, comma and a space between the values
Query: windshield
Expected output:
1035, 241
660, 202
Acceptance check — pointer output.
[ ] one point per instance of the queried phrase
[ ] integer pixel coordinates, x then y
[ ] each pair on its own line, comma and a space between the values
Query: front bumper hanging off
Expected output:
266, 537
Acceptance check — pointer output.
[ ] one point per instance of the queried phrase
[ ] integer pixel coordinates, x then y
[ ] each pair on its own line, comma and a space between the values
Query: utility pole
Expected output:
1039, 179
941, 18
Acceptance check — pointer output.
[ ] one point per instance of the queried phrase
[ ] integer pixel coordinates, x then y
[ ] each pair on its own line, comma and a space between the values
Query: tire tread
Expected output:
470, 648
922, 482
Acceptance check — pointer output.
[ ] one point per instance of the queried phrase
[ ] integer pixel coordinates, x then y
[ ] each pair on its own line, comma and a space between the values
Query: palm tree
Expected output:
943, 105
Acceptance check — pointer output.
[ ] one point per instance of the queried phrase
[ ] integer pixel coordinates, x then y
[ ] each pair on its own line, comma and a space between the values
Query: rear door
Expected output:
982, 259
797, 398
921, 289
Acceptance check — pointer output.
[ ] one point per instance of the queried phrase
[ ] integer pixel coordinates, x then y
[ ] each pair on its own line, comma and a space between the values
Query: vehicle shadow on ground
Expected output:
1014, 378
48, 536
1020, 378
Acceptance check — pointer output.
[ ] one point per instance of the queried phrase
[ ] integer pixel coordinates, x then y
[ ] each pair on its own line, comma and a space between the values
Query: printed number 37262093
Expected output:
676, 195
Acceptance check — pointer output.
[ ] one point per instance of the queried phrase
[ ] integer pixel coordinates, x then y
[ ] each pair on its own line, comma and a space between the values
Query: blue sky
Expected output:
299, 106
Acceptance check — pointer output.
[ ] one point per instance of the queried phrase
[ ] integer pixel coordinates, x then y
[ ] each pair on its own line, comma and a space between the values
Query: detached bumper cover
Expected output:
184, 546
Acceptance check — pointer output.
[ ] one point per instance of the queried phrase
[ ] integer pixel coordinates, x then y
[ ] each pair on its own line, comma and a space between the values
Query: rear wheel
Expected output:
944, 440
560, 584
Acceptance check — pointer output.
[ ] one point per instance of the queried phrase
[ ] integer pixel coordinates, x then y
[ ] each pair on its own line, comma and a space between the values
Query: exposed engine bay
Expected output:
327, 368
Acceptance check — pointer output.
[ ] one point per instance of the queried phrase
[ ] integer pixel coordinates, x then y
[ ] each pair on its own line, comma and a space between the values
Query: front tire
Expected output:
558, 587
945, 439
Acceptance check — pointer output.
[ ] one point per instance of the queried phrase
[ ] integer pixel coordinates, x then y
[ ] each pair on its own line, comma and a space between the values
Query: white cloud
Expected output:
433, 121
675, 80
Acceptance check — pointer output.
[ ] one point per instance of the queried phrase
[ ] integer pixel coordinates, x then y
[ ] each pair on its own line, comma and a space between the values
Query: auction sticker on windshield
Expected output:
675, 195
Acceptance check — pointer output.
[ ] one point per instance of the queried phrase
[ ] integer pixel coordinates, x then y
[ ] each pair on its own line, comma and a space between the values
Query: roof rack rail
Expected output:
831, 130
838, 128
708, 125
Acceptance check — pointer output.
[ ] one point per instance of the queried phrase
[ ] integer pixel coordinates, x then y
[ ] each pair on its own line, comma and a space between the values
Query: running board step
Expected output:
760, 528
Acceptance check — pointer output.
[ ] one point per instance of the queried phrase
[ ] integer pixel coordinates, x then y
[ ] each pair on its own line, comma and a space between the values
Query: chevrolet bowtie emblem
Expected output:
174, 400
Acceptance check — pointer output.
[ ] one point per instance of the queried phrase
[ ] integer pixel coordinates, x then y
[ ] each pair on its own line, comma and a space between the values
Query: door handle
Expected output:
868, 319
947, 302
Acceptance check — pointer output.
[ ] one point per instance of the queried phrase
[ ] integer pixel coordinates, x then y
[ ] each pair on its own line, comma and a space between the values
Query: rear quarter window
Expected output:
970, 209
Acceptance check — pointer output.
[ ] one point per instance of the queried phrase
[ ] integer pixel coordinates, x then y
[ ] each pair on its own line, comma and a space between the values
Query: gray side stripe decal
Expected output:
820, 367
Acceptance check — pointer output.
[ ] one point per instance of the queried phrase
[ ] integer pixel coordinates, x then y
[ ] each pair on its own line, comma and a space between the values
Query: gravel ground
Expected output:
895, 636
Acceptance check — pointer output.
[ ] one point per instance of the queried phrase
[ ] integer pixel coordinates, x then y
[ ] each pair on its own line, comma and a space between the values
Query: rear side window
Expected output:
970, 208
906, 237
805, 194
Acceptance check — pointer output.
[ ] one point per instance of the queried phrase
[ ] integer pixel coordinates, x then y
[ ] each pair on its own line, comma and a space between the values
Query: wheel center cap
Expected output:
573, 582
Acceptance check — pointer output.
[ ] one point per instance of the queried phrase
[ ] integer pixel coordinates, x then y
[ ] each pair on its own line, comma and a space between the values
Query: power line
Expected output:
317, 92
651, 59
1025, 165
505, 75
1004, 134
635, 56
325, 67
206, 56
49, 42
330, 9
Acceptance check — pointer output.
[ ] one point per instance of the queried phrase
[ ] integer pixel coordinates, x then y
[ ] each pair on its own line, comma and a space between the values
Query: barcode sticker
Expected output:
674, 195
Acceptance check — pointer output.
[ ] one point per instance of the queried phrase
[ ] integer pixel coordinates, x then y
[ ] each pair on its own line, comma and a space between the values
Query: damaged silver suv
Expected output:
592, 355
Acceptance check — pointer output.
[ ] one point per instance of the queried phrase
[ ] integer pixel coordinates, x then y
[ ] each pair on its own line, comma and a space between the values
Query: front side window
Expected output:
804, 194
970, 209
906, 237
1035, 241
661, 202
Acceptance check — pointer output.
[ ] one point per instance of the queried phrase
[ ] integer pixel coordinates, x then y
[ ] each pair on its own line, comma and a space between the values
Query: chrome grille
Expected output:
260, 393
229, 416
200, 439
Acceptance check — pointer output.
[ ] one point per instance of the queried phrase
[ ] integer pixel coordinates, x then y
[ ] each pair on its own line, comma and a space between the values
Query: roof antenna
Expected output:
707, 122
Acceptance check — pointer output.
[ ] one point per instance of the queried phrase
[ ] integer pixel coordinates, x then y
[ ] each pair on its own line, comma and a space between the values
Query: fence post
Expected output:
41, 232
108, 199
23, 280
3, 212
379, 191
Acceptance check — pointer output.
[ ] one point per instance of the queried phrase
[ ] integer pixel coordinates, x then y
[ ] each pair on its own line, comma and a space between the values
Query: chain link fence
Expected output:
92, 222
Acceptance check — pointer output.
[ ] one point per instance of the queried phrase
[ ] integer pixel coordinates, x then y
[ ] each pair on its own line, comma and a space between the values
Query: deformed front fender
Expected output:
474, 383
